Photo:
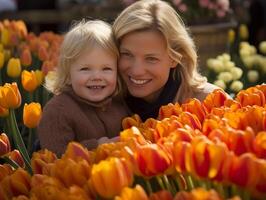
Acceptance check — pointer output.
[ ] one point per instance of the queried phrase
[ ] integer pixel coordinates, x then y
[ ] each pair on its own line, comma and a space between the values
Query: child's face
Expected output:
144, 63
93, 75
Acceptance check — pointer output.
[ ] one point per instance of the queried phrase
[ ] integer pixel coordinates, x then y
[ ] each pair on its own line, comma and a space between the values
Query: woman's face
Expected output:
145, 64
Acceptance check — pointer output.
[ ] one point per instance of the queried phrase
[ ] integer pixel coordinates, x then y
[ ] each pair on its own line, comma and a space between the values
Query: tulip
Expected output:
13, 67
153, 160
215, 99
169, 110
194, 106
4, 144
179, 152
161, 195
190, 119
231, 36
43, 53
25, 57
251, 96
110, 176
32, 114
41, 159
5, 37
2, 60
39, 77
29, 80
243, 32
17, 183
259, 145
134, 120
132, 193
76, 152
133, 132
16, 157
5, 170
10, 96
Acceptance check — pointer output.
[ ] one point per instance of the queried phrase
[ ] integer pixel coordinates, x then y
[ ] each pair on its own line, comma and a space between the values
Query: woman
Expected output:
158, 59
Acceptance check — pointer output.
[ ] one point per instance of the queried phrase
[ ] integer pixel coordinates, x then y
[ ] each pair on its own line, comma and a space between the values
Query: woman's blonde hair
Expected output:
160, 16
82, 36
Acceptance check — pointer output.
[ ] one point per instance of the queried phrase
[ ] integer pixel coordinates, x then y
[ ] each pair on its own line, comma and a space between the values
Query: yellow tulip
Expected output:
13, 67
2, 59
10, 96
132, 193
243, 32
5, 37
32, 114
110, 176
40, 76
29, 80
231, 36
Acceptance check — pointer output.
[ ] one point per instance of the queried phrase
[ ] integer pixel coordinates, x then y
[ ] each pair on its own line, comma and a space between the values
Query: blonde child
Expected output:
86, 106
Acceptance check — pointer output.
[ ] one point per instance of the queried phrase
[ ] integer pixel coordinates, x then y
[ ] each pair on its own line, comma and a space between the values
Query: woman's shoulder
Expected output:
206, 89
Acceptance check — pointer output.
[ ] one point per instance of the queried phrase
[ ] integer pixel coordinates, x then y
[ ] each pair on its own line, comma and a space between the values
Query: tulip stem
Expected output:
160, 182
168, 185
148, 185
190, 182
31, 138
10, 162
18, 141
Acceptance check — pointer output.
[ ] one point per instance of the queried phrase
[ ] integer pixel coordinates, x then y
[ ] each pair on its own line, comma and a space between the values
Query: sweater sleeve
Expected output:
55, 130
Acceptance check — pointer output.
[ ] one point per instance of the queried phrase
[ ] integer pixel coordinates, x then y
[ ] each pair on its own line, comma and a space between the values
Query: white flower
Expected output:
220, 83
262, 47
244, 52
236, 86
215, 64
253, 76
228, 65
225, 76
236, 73
248, 61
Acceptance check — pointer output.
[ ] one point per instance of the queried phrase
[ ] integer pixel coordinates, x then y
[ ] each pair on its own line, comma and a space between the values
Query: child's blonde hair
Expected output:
82, 36
160, 16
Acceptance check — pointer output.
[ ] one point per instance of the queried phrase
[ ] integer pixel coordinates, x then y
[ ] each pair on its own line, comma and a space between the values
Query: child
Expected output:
86, 106
158, 60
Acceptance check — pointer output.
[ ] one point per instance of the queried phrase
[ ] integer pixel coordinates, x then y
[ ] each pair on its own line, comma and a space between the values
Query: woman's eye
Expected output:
152, 59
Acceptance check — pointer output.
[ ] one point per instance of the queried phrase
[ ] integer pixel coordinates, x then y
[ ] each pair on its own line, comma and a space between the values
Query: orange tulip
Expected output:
128, 122
161, 195
16, 157
169, 110
17, 183
179, 153
251, 96
130, 133
5, 170
190, 119
132, 193
215, 99
259, 144
110, 176
3, 112
41, 159
194, 106
29, 80
4, 144
153, 160
69, 172
76, 152
244, 170
13, 67
10, 96
25, 57
43, 53
32, 114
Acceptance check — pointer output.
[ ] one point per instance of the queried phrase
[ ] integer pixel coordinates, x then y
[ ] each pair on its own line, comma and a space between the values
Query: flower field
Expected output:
214, 149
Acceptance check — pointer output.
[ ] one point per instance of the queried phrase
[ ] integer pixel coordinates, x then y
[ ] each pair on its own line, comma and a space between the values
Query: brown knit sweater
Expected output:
66, 117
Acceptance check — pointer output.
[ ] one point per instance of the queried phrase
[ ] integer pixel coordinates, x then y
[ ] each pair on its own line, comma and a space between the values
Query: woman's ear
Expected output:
173, 63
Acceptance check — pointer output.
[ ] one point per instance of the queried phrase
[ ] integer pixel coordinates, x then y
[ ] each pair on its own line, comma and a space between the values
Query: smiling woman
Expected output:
158, 58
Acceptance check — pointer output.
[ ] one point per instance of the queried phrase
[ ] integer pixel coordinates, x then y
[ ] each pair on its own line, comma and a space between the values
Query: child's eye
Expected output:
107, 69
125, 54
84, 69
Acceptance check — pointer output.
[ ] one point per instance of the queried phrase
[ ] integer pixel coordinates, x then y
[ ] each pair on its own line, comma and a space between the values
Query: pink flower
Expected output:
204, 3
182, 7
177, 2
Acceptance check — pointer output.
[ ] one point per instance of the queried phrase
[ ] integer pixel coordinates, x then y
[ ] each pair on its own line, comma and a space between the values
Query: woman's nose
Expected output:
137, 68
